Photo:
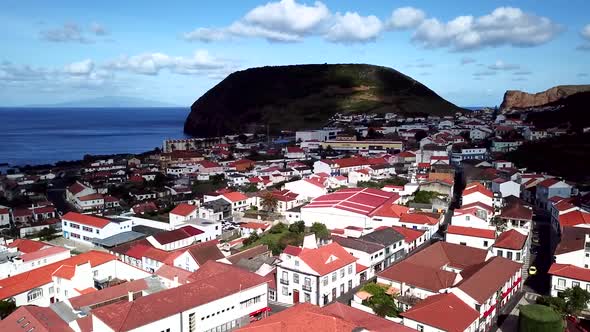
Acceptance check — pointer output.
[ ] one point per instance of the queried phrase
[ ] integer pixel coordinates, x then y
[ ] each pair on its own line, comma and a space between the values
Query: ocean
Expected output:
45, 135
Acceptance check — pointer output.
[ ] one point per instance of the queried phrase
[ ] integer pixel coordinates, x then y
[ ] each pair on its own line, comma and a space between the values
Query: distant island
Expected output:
109, 101
307, 96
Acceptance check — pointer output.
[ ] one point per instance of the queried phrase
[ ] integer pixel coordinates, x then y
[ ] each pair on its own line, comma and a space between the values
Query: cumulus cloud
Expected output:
504, 26
406, 18
73, 33
467, 60
501, 65
290, 21
585, 33
352, 27
83, 67
201, 62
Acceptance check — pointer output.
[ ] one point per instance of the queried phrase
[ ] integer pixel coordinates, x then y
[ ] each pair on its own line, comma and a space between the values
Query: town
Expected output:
372, 223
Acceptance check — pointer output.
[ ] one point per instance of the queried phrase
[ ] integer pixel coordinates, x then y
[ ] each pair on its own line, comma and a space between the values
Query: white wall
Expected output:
470, 241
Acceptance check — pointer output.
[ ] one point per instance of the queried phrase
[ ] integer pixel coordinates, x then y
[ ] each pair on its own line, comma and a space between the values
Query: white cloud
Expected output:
406, 18
467, 60
98, 29
352, 27
83, 67
73, 33
290, 21
504, 26
586, 32
501, 65
201, 62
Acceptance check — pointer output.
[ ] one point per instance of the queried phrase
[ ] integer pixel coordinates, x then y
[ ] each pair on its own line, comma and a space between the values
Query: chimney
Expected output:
130, 296
175, 283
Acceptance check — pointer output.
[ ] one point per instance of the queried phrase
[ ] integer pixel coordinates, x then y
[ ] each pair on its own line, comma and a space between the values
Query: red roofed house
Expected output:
309, 188
334, 317
78, 189
36, 319
564, 276
476, 192
65, 278
512, 244
471, 237
182, 212
348, 207
220, 297
238, 200
549, 188
85, 227
360, 175
428, 222
345, 165
315, 275
441, 312
177, 238
294, 152
31, 254
473, 216
413, 237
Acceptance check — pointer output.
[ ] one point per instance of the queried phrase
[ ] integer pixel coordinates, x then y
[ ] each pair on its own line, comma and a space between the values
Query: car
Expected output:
532, 270
535, 239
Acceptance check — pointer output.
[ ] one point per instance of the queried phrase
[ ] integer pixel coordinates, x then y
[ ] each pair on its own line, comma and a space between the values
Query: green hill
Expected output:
306, 96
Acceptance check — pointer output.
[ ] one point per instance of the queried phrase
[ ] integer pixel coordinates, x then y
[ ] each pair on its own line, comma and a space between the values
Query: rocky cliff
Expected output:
514, 99
306, 96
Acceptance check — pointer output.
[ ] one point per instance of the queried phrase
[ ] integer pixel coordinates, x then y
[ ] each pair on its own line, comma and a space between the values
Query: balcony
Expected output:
284, 281
306, 288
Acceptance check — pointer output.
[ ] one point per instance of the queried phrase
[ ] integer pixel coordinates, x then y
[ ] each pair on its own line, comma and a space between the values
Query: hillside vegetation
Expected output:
306, 96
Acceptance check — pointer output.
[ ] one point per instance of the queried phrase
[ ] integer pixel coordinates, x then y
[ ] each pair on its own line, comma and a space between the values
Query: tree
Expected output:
382, 303
320, 230
251, 239
278, 228
6, 308
297, 227
570, 302
269, 202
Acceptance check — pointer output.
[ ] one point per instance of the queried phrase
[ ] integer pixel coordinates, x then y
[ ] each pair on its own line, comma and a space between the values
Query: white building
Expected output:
308, 188
506, 187
24, 255
220, 297
476, 192
314, 275
84, 228
471, 237
182, 212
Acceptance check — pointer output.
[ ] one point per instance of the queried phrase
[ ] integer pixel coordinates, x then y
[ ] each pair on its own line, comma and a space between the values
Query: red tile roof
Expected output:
45, 252
477, 187
85, 219
418, 218
292, 250
26, 281
425, 277
182, 233
76, 188
335, 317
91, 197
235, 196
391, 211
572, 239
254, 225
547, 182
570, 271
574, 218
183, 209
443, 311
357, 200
108, 294
326, 259
482, 282
39, 319
65, 272
517, 211
169, 272
511, 239
211, 282
410, 235
206, 251
27, 246
471, 231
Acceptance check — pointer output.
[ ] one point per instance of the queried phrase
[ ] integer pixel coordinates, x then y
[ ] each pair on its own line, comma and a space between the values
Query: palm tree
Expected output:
269, 202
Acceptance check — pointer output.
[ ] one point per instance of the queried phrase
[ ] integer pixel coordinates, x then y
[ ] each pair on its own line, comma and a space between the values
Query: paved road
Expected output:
541, 282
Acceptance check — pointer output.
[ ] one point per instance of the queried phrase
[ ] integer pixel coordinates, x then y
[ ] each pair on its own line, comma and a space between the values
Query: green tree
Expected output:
269, 202
297, 227
251, 239
382, 303
320, 230
6, 308
278, 228
576, 300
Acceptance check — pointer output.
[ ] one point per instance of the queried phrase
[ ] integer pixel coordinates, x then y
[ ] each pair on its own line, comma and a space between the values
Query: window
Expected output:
333, 276
463, 243
271, 295
76, 226
285, 291
342, 273
485, 243
97, 231
575, 284
420, 328
87, 229
561, 282
509, 254
250, 302
65, 292
467, 218
517, 256
192, 323
51, 290
34, 294
166, 330
285, 275
307, 297
296, 263
341, 289
350, 269
325, 281
500, 253
296, 278
307, 282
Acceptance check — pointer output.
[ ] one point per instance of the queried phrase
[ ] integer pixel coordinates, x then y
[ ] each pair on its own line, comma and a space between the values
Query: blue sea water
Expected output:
46, 135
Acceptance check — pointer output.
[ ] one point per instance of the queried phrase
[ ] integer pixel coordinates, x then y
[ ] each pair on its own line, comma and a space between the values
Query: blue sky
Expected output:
469, 52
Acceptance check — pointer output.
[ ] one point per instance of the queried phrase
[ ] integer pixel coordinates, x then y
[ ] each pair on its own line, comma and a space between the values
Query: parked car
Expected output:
532, 270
